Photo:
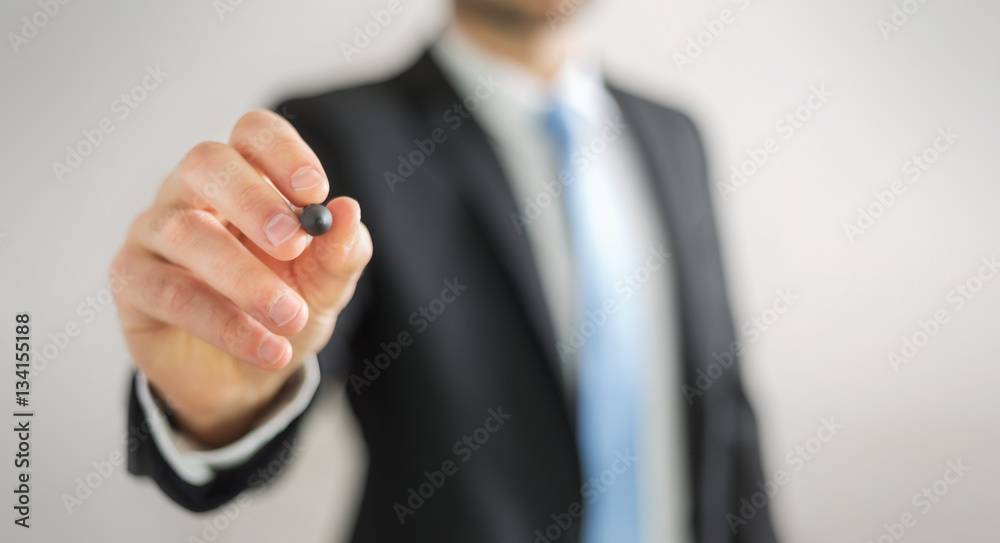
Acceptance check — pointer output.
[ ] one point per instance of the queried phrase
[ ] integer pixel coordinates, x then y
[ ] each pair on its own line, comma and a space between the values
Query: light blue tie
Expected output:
613, 350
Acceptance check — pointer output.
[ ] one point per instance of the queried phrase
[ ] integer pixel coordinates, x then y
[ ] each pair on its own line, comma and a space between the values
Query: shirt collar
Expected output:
578, 86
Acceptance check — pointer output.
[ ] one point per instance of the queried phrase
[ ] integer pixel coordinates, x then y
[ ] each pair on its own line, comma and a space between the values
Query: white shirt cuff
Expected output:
198, 467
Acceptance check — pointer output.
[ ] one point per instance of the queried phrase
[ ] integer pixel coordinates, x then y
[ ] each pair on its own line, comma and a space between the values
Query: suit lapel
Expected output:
677, 167
682, 212
684, 208
468, 161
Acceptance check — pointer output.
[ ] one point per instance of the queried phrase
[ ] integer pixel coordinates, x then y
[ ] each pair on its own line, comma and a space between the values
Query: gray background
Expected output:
825, 357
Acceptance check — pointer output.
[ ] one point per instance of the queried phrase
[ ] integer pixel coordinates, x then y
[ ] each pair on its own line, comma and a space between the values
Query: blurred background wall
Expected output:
843, 211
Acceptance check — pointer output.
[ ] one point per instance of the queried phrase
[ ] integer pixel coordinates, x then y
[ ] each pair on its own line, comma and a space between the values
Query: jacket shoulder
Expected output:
360, 98
655, 114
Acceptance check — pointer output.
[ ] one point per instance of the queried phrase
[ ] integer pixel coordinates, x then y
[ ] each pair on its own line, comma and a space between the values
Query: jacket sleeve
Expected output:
201, 480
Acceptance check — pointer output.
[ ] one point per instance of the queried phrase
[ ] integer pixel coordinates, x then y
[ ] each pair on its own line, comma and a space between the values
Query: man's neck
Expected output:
540, 49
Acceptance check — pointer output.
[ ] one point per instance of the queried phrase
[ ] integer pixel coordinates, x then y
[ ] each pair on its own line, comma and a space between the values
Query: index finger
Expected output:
272, 145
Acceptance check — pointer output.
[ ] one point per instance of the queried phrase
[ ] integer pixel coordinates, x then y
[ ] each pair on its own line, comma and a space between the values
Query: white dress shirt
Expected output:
511, 118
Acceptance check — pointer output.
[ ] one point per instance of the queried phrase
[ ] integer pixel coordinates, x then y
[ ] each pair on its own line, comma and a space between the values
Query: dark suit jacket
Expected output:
492, 347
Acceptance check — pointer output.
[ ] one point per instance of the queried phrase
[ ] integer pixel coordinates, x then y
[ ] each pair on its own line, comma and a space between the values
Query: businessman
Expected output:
545, 283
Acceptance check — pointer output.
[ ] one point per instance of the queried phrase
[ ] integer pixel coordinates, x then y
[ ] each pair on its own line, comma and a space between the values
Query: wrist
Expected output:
230, 417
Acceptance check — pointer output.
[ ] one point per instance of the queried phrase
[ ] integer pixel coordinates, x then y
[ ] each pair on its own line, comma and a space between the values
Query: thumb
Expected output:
328, 270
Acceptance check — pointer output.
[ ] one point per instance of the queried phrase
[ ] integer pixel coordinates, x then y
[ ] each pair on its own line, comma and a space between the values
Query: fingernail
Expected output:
306, 178
284, 308
280, 228
271, 350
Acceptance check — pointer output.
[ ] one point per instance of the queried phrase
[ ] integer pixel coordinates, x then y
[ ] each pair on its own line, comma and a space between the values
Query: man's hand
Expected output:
228, 294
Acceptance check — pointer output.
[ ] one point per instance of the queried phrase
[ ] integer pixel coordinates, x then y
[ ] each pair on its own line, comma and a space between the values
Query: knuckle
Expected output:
344, 260
254, 120
256, 129
357, 257
203, 155
170, 292
224, 265
251, 199
141, 226
209, 168
118, 268
181, 228
236, 331
365, 256
293, 151
365, 248
245, 286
